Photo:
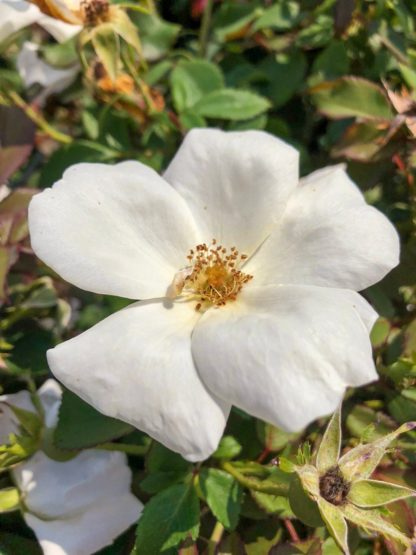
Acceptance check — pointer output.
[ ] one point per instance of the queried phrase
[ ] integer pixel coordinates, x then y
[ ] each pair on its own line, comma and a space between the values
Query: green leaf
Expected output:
14, 544
330, 447
373, 493
168, 518
162, 459
336, 524
228, 448
282, 16
360, 462
316, 34
9, 500
61, 54
273, 504
232, 104
79, 151
372, 520
351, 97
157, 35
81, 426
191, 81
223, 494
231, 19
273, 438
158, 481
284, 74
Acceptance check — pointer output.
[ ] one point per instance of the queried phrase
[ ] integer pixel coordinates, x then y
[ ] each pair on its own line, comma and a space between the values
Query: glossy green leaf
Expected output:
168, 518
80, 425
232, 104
192, 80
228, 448
223, 495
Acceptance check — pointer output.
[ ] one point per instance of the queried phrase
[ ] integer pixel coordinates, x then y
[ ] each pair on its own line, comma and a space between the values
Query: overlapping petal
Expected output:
285, 354
79, 506
137, 366
236, 184
17, 14
328, 236
119, 230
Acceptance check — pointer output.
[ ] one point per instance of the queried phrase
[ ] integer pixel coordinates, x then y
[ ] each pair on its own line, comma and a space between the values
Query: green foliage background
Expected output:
336, 79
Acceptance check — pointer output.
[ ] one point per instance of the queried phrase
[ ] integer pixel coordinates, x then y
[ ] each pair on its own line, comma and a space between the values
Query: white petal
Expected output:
15, 15
62, 490
118, 230
285, 354
9, 424
137, 366
32, 69
327, 236
236, 183
60, 30
87, 532
50, 395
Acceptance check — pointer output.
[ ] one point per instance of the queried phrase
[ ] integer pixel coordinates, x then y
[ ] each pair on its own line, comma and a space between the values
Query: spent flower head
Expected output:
342, 487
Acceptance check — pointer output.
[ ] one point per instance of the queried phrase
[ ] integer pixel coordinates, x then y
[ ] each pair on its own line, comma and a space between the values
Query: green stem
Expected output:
205, 27
39, 120
264, 486
135, 450
215, 538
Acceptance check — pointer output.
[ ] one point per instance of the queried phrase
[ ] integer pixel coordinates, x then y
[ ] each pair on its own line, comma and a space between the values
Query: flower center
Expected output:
333, 487
94, 11
213, 277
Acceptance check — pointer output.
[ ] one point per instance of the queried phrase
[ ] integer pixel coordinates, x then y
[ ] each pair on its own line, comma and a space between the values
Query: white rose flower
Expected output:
247, 279
17, 14
75, 507
32, 69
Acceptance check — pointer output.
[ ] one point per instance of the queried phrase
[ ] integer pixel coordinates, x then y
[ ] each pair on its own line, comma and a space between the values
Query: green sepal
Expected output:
335, 522
373, 493
107, 48
329, 450
360, 462
371, 519
125, 28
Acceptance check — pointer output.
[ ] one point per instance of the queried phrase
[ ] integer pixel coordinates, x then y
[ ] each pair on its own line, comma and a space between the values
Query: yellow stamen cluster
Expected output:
94, 11
214, 278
